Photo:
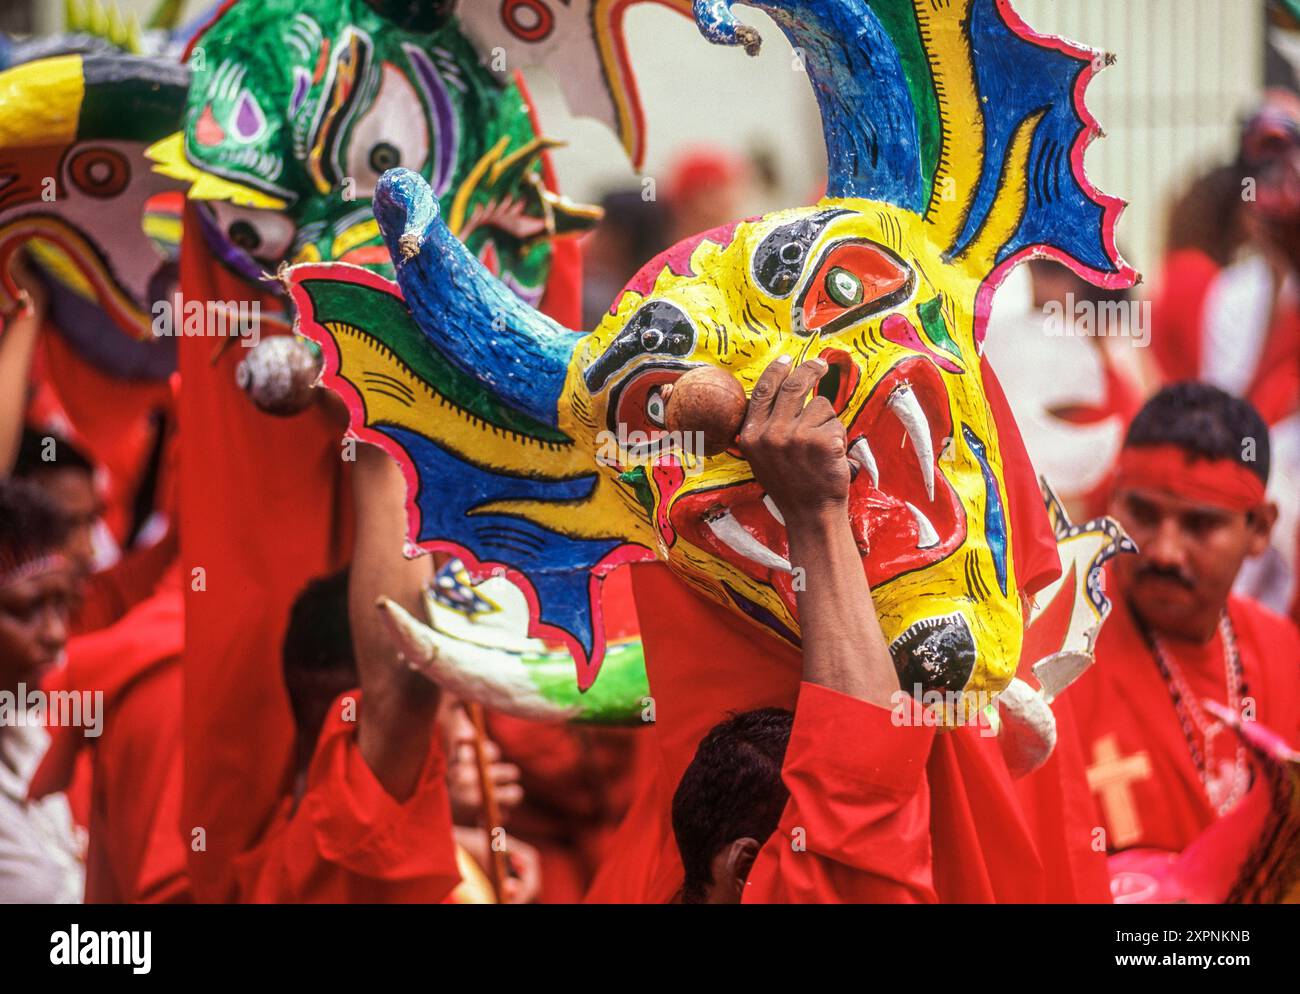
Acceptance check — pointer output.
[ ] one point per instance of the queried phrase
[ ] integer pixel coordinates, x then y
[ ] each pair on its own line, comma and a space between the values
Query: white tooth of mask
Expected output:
860, 452
908, 410
926, 537
733, 534
772, 509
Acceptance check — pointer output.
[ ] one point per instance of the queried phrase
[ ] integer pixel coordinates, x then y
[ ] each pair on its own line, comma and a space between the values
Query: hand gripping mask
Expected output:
955, 139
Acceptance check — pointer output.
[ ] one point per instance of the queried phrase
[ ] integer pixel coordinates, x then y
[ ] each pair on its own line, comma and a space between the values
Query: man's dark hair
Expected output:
317, 655
31, 454
1206, 421
732, 790
31, 524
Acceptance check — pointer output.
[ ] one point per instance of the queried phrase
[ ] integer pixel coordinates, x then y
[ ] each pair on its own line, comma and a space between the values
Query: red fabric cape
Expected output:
133, 780
264, 507
993, 840
108, 418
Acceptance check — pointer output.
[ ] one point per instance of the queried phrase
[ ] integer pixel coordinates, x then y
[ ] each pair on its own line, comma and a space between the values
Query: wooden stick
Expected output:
498, 868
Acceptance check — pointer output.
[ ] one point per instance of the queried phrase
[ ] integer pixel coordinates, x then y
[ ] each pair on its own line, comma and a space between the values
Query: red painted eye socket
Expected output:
852, 280
640, 405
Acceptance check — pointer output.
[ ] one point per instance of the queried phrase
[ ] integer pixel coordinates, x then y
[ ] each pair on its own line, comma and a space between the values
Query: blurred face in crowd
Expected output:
1189, 554
34, 613
73, 490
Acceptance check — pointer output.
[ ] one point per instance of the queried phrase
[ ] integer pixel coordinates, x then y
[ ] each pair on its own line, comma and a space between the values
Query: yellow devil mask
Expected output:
955, 138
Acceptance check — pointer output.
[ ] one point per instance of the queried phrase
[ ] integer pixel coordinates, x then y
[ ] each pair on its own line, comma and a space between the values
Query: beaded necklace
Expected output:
1224, 783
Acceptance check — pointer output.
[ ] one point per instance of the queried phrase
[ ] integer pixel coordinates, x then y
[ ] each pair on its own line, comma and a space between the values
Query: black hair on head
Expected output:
31, 524
732, 790
1205, 421
41, 451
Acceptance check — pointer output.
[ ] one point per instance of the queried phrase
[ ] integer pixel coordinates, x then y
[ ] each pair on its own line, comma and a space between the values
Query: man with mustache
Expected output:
1190, 492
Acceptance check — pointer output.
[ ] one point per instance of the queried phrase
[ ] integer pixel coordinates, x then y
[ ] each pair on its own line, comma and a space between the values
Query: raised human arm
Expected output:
399, 707
798, 451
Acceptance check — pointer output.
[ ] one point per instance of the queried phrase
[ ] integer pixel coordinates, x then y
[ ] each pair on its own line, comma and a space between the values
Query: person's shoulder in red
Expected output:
1270, 646
856, 827
129, 674
137, 852
348, 840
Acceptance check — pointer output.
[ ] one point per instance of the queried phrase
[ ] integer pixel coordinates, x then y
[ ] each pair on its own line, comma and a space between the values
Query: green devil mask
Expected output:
299, 106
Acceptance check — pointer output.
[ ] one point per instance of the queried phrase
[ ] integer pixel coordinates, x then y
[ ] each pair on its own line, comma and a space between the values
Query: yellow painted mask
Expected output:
955, 139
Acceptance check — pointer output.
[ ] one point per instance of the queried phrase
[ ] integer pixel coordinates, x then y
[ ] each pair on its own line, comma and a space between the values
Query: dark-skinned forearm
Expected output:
399, 707
17, 346
843, 646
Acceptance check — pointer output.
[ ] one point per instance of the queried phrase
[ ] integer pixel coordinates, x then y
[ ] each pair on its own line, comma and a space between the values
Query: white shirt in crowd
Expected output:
41, 854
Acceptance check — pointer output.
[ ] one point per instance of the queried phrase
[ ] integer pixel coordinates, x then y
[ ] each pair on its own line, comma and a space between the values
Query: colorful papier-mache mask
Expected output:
955, 138
78, 109
76, 188
299, 106
1060, 635
476, 645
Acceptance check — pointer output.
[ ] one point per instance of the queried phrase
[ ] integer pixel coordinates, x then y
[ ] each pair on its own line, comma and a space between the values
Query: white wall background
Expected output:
1185, 70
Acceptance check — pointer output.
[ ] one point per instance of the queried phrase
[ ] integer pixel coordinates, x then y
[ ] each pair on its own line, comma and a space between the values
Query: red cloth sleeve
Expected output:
350, 841
857, 825
110, 594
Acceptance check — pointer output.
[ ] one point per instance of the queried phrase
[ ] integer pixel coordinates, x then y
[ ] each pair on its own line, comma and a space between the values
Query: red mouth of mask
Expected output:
898, 523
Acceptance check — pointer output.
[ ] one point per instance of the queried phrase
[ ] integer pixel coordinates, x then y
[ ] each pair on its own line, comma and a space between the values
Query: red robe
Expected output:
857, 826
348, 840
110, 594
709, 662
137, 849
265, 507
1141, 771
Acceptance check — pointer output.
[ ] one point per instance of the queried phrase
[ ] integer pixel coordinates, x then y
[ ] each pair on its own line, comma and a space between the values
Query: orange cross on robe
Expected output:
1111, 777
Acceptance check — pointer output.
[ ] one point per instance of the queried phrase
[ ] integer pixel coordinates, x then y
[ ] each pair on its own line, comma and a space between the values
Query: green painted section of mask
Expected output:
308, 102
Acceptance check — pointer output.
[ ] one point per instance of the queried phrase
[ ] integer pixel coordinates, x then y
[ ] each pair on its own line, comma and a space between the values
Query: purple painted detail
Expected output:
301, 84
249, 120
96, 338
445, 136
231, 256
531, 295
901, 331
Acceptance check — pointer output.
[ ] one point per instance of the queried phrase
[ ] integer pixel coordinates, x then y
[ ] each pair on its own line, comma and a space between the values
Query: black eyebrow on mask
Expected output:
781, 257
657, 328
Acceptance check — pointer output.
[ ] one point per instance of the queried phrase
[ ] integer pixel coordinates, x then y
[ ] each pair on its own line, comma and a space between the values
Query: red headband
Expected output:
1223, 483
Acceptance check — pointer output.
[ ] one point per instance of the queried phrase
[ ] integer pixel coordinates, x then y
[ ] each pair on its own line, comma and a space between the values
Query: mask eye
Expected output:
637, 409
100, 172
244, 235
262, 234
658, 328
385, 156
656, 408
393, 132
852, 280
843, 287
